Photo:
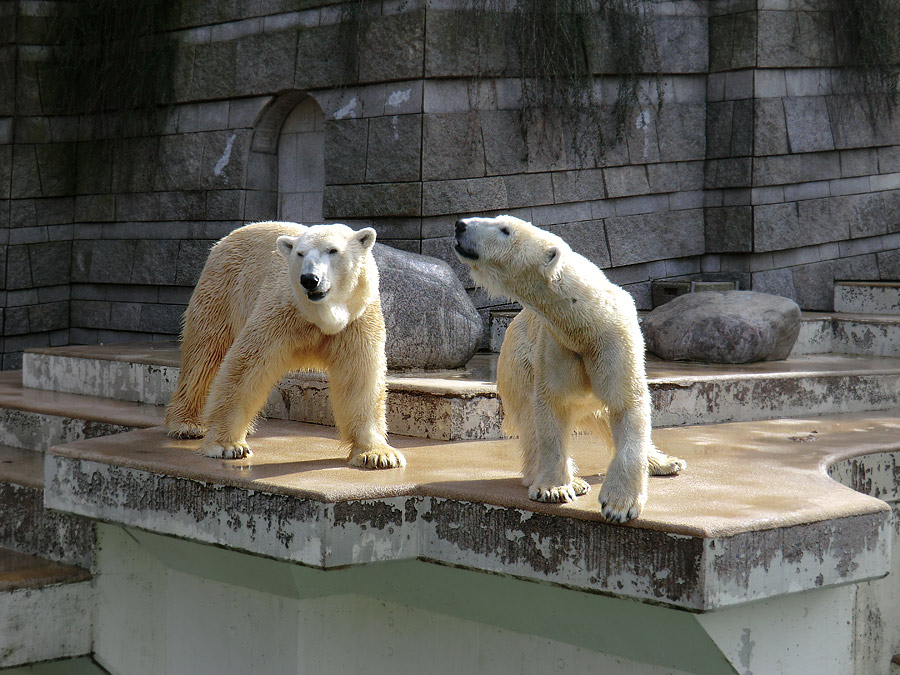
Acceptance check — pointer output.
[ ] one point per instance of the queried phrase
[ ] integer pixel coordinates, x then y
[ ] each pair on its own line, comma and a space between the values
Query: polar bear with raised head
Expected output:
573, 359
275, 297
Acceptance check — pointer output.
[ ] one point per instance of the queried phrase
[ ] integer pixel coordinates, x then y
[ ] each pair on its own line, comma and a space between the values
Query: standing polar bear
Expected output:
275, 297
572, 359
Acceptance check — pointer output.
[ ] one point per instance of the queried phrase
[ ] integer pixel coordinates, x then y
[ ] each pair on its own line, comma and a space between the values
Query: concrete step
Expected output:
45, 610
26, 526
463, 404
842, 333
867, 297
35, 419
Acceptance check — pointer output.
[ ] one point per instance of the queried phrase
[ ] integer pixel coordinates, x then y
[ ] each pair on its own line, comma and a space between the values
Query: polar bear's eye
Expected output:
332, 251
300, 253
505, 230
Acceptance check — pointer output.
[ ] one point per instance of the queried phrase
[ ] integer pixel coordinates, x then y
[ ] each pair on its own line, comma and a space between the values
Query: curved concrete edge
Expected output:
695, 573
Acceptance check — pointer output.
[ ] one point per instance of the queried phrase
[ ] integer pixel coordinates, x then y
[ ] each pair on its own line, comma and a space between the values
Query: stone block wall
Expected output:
758, 166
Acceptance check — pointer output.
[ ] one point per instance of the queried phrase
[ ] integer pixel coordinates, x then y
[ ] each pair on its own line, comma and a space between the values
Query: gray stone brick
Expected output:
192, 255
889, 265
48, 316
372, 201
770, 128
820, 221
545, 142
138, 206
561, 213
587, 238
202, 117
260, 205
779, 45
183, 205
857, 268
728, 229
50, 263
313, 71
578, 186
770, 84
213, 70
53, 293
224, 158
626, 180
125, 316
728, 173
153, 262
83, 336
808, 82
686, 200
718, 129
452, 147
808, 125
868, 214
5, 171
18, 268
642, 138
532, 189
345, 151
224, 204
721, 42
681, 132
796, 168
504, 142
392, 47
26, 181
776, 226
892, 210
775, 282
265, 62
395, 149
95, 208
55, 211
452, 48
634, 239
175, 295
813, 190
744, 49
132, 293
889, 159
103, 261
629, 206
889, 181
848, 186
736, 197
32, 130
243, 112
15, 321
27, 296
89, 314
22, 213
182, 155
464, 196
742, 128
814, 286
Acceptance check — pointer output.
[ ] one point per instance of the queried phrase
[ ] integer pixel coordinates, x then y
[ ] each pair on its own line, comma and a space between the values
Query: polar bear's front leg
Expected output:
624, 490
259, 356
551, 470
358, 392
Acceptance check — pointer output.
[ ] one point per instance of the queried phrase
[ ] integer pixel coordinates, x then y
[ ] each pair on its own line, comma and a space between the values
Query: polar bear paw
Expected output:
185, 430
662, 464
619, 505
384, 458
558, 494
233, 450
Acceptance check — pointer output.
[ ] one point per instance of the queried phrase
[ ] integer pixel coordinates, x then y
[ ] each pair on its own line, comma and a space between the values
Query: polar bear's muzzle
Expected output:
463, 246
314, 286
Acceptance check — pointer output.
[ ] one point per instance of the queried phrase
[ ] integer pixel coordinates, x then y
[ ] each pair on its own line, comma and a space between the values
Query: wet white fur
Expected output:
249, 321
573, 359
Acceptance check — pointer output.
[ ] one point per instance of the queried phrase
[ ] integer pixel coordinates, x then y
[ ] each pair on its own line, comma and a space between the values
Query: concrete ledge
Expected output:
45, 610
463, 404
754, 515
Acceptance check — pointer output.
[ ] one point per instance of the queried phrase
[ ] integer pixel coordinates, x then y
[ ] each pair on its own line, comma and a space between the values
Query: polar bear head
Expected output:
508, 256
332, 272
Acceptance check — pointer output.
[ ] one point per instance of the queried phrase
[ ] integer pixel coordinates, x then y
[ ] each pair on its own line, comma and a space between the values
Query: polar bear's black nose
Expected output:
309, 281
460, 226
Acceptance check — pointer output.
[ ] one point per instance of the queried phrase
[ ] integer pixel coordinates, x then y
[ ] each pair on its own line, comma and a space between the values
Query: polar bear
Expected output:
275, 297
572, 359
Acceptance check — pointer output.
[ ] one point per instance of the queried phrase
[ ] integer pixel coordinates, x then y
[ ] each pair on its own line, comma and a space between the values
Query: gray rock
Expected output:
430, 321
723, 327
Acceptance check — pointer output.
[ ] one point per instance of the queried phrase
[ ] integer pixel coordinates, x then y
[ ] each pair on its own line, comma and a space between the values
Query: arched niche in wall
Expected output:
286, 171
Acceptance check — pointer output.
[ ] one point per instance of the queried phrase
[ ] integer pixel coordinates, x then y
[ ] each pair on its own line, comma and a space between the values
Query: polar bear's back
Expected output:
237, 269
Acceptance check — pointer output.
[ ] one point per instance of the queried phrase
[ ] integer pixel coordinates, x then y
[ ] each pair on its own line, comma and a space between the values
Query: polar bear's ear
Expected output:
552, 256
366, 237
285, 245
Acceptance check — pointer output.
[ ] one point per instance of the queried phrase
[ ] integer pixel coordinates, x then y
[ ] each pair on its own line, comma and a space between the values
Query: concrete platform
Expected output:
754, 516
844, 333
45, 610
463, 404
35, 419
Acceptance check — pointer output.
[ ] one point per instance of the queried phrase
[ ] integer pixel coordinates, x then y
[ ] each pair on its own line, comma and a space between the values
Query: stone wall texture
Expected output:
760, 166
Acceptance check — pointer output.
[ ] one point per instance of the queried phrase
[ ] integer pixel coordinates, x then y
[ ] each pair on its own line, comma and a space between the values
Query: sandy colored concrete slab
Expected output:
21, 467
741, 476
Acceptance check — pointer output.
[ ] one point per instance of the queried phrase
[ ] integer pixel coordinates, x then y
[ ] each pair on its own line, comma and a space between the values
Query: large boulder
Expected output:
723, 327
431, 323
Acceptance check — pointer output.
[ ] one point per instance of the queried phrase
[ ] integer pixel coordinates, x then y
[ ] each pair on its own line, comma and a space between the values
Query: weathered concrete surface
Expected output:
723, 327
867, 297
45, 610
753, 516
845, 333
463, 404
26, 526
